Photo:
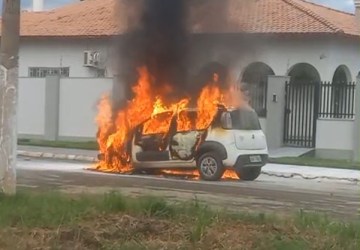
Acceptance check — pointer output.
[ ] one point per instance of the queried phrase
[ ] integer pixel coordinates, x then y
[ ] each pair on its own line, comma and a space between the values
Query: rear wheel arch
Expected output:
211, 146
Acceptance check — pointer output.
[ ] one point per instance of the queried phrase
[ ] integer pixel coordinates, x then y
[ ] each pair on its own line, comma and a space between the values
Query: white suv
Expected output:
233, 140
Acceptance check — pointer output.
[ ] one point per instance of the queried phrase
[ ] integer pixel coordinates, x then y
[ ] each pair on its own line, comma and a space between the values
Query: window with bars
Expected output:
337, 100
42, 72
257, 94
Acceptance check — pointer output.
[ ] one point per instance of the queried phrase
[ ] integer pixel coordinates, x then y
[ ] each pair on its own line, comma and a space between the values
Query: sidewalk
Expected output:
288, 152
279, 170
311, 173
57, 153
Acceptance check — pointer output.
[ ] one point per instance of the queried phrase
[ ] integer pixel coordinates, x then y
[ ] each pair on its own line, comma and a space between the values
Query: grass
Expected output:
112, 221
316, 162
86, 145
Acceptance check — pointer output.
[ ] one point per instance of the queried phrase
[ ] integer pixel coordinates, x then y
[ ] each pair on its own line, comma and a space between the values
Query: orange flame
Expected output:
104, 122
114, 134
207, 104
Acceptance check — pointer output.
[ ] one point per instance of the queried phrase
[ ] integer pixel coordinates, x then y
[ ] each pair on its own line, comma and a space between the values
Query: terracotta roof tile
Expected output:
92, 18
87, 18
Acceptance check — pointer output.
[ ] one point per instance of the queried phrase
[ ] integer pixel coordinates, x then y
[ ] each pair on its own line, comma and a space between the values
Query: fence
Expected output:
65, 109
301, 103
305, 102
337, 100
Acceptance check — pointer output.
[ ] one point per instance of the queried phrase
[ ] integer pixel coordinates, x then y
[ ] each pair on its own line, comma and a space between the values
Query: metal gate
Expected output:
301, 111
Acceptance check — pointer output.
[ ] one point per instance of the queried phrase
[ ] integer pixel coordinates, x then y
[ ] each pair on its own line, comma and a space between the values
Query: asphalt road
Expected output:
266, 194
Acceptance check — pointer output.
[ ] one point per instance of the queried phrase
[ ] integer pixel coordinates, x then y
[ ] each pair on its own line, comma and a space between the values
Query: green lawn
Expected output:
316, 162
112, 221
87, 145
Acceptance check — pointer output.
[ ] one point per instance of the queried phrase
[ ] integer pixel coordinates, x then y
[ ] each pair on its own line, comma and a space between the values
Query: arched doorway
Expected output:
254, 83
342, 75
341, 92
302, 106
304, 73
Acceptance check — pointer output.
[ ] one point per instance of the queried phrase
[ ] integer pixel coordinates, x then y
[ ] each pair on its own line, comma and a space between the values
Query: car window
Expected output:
158, 124
186, 121
242, 119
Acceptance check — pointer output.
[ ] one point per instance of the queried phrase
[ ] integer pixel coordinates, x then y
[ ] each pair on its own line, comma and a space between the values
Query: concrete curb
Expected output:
55, 156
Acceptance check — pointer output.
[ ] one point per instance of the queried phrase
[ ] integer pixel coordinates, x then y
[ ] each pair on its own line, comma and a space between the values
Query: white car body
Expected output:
241, 149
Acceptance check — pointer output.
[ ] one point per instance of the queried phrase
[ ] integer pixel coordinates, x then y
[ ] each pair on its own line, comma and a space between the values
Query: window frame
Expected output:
43, 72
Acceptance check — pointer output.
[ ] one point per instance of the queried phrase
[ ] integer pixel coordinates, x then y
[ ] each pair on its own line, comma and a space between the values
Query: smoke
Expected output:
169, 37
159, 41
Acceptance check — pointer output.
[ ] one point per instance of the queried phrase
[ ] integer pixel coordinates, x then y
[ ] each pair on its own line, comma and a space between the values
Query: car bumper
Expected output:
252, 160
233, 156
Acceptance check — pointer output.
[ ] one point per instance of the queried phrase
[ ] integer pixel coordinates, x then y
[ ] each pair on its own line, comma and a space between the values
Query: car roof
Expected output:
196, 109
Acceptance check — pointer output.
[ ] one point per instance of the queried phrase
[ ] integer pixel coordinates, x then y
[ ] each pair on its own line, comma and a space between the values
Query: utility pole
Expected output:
10, 40
357, 95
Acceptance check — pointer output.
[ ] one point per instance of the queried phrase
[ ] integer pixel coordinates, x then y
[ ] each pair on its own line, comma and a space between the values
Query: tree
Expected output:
10, 39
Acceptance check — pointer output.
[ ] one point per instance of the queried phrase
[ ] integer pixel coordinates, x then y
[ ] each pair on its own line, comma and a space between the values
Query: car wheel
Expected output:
210, 166
248, 173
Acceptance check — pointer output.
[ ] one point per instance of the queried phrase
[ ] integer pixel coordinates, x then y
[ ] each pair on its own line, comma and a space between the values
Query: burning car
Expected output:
166, 111
233, 140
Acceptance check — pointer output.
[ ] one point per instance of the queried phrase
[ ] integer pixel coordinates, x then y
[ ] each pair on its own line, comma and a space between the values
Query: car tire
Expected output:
210, 166
248, 173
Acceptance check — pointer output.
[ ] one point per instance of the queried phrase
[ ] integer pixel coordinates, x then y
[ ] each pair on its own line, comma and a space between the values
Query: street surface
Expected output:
266, 194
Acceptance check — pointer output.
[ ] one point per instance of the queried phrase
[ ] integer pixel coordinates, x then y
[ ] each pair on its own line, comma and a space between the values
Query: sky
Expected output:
49, 4
345, 5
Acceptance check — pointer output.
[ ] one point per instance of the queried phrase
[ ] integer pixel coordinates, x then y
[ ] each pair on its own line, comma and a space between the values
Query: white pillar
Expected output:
52, 109
38, 5
275, 111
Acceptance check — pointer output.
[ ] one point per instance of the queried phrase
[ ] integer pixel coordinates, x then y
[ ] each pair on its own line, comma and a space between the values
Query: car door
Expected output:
152, 139
184, 141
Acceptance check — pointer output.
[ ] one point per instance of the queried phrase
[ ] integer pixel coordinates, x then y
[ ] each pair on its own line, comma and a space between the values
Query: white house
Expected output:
263, 43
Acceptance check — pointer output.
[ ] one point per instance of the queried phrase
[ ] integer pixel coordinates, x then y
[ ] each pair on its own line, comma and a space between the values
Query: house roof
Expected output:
94, 18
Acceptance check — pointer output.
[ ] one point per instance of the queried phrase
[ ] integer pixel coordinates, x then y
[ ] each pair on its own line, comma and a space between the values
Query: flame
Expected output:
115, 130
230, 175
104, 122
207, 104
194, 174
137, 110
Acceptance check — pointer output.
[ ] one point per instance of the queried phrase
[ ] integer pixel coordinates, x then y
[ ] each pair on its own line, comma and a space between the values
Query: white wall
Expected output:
78, 96
63, 53
325, 54
31, 112
78, 105
281, 54
335, 134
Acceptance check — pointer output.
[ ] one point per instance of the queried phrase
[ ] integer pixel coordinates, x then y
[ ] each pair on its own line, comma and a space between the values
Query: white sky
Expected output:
347, 5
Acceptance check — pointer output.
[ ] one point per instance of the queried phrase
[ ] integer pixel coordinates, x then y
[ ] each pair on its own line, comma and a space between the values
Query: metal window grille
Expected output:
258, 97
42, 72
337, 100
